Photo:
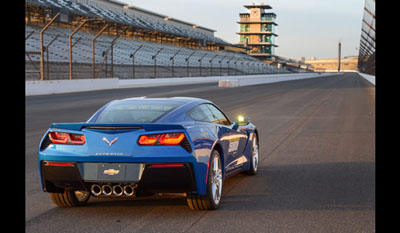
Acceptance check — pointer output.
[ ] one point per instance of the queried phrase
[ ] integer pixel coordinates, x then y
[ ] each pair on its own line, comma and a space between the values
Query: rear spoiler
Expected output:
145, 126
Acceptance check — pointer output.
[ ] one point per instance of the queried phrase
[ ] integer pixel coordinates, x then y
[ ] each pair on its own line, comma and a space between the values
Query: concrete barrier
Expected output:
66, 86
368, 77
240, 81
151, 82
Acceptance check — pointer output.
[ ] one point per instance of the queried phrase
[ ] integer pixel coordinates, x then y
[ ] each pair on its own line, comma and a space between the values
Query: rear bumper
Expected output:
150, 178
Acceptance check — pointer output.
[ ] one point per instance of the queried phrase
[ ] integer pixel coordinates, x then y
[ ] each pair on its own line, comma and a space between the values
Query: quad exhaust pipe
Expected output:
129, 190
106, 190
95, 190
117, 190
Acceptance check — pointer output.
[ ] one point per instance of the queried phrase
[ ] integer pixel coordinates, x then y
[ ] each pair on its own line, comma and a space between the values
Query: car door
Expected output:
235, 140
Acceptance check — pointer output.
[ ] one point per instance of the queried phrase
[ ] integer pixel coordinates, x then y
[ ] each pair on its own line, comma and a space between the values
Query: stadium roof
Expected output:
262, 6
263, 14
70, 7
128, 6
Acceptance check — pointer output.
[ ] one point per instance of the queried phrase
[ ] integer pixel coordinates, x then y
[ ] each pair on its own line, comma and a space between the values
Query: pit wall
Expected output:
67, 86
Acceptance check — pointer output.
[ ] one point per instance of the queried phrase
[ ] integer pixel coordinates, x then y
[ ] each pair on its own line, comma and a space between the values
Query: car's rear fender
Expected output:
252, 133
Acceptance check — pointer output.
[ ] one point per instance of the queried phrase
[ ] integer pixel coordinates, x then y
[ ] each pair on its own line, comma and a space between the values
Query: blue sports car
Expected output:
142, 146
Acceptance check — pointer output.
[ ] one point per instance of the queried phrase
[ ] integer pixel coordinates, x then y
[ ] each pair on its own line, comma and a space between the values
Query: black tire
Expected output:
254, 167
206, 202
70, 198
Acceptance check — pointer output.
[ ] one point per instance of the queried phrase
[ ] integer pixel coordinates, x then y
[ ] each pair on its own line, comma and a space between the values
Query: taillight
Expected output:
58, 138
148, 140
65, 164
67, 138
167, 165
171, 138
78, 139
161, 139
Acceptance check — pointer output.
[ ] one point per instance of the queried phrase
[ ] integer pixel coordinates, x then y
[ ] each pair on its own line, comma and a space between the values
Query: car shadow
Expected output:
330, 186
154, 200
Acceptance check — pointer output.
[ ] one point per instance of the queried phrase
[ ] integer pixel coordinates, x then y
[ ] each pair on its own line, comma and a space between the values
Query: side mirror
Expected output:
243, 120
240, 122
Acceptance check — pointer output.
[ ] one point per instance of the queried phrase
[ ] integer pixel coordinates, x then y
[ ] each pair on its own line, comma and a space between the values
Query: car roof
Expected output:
183, 100
184, 104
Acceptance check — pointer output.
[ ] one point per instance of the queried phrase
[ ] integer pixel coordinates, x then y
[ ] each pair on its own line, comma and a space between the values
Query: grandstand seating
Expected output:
118, 17
123, 48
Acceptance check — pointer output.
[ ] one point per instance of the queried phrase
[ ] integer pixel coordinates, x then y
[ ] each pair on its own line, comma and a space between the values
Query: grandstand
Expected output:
104, 39
366, 55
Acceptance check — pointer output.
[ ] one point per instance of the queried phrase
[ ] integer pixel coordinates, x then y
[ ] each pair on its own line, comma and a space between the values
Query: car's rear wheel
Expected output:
254, 157
70, 198
211, 200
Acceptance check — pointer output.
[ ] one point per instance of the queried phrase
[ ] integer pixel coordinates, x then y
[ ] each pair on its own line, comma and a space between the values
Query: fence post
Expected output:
201, 60
47, 55
112, 49
133, 60
229, 65
220, 66
41, 45
211, 64
70, 46
93, 50
187, 63
155, 62
173, 61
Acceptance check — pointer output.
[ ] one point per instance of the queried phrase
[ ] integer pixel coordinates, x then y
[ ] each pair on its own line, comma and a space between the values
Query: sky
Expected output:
306, 28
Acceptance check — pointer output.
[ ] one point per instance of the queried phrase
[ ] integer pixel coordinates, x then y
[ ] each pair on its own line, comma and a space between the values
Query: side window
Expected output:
201, 113
218, 115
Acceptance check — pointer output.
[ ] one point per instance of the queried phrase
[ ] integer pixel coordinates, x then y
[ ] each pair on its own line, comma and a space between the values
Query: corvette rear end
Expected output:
116, 159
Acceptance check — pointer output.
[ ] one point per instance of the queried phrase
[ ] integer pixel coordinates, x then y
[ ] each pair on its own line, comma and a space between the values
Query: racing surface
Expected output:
316, 171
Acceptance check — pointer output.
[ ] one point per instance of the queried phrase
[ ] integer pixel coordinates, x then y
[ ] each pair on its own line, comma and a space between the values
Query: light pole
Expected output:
339, 48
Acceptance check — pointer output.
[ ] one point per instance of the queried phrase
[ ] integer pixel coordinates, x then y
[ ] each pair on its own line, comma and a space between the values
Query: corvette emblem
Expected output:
111, 172
108, 142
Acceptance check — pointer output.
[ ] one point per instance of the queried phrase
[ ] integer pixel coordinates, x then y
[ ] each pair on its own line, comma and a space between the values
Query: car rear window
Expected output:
136, 111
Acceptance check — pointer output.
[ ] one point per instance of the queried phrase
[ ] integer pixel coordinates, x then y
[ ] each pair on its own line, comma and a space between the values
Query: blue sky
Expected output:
307, 28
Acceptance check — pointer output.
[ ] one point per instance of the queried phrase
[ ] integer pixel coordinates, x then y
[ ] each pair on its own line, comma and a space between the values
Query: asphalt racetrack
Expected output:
316, 172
